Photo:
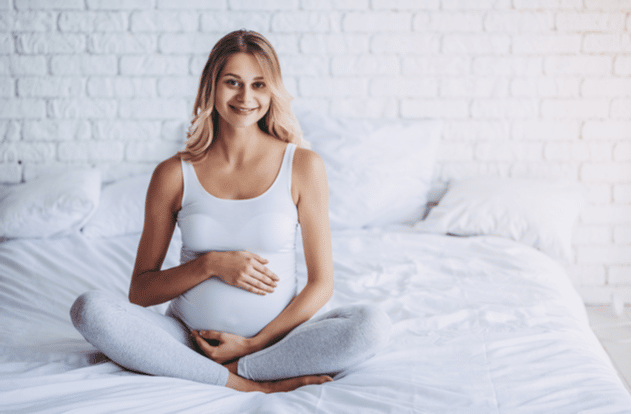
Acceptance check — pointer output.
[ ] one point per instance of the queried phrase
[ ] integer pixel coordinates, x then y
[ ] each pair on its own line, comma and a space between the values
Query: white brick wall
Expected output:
535, 88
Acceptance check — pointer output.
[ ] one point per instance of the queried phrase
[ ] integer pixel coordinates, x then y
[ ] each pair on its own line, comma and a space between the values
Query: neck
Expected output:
237, 145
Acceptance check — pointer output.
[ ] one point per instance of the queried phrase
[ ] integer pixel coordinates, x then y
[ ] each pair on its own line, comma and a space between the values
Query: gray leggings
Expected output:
145, 341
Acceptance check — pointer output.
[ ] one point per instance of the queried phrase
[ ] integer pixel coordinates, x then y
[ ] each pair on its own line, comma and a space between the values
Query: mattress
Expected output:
480, 325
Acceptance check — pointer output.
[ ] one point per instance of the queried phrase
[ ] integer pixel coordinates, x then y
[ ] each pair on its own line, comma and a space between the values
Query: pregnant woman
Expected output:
238, 193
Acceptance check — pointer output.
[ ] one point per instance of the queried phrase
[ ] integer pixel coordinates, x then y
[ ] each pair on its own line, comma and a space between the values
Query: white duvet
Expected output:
481, 325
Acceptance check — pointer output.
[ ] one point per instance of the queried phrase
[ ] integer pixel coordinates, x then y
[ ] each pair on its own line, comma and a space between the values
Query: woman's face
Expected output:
242, 96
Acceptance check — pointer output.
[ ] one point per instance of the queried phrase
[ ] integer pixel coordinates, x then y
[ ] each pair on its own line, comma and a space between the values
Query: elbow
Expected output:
136, 298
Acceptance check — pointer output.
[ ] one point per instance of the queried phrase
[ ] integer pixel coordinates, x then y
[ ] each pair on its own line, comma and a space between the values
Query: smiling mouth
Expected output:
242, 110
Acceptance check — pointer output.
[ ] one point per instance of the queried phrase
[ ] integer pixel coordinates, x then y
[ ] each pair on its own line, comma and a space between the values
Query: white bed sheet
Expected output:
481, 325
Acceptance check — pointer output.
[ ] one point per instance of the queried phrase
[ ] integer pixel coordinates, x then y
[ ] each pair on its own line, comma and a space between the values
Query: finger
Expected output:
258, 258
259, 284
210, 334
247, 285
208, 349
270, 278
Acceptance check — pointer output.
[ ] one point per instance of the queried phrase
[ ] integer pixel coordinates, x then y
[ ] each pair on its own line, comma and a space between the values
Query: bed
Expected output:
485, 318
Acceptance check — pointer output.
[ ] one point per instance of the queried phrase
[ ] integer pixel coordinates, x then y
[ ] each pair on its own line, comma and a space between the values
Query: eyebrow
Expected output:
239, 77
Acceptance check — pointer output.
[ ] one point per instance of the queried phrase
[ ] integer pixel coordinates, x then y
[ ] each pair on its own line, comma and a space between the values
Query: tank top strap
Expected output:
285, 174
188, 180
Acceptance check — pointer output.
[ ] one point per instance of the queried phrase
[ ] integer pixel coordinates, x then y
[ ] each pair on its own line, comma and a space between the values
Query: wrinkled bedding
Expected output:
480, 325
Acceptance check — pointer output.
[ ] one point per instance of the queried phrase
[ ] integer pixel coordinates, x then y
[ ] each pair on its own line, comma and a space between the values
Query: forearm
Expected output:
313, 297
159, 286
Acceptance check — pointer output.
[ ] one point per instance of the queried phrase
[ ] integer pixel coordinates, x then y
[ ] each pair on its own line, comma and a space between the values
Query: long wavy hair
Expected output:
279, 121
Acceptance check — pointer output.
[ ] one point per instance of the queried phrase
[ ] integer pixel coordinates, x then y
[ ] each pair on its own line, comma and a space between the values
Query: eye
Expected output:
232, 82
258, 85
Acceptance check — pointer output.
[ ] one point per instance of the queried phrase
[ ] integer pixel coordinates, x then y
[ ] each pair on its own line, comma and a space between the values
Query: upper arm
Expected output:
163, 201
312, 196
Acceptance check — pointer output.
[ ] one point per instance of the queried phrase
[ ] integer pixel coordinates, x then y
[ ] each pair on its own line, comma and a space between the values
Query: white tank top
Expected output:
265, 225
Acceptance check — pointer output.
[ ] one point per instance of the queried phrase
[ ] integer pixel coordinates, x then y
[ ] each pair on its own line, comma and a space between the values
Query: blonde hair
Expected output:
279, 121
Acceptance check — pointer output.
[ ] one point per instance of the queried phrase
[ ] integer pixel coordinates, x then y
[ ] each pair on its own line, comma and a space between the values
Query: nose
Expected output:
245, 94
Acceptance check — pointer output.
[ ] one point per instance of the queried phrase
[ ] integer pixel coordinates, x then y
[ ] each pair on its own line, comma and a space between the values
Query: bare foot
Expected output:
241, 384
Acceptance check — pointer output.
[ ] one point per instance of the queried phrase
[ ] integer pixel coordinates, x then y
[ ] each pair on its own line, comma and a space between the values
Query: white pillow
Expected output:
537, 213
121, 210
379, 172
50, 206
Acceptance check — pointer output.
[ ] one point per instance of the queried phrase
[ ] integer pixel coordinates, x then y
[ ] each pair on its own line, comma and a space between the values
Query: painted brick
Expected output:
406, 44
121, 43
262, 4
510, 66
6, 43
48, 4
151, 151
574, 151
475, 4
301, 22
9, 131
338, 4
589, 22
403, 87
619, 275
519, 21
575, 108
434, 108
93, 22
504, 108
5, 65
7, 87
605, 172
33, 21
597, 254
192, 4
84, 65
550, 87
82, 108
227, 21
507, 151
112, 87
334, 44
153, 109
545, 130
546, 44
185, 43
284, 43
10, 173
50, 87
364, 65
406, 4
154, 65
5, 5
26, 151
476, 44
456, 151
547, 4
622, 151
608, 4
474, 86
332, 87
376, 21
90, 151
604, 43
365, 108
605, 87
455, 21
622, 234
577, 65
597, 193
17, 108
589, 275
163, 21
463, 169
119, 4
542, 170
174, 131
126, 130
592, 234
28, 65
435, 65
304, 65
620, 108
621, 193
175, 87
7, 19
56, 130
622, 65
49, 43
607, 130
473, 130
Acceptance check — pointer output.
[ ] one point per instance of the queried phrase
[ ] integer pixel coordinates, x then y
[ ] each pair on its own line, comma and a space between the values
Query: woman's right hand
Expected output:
244, 270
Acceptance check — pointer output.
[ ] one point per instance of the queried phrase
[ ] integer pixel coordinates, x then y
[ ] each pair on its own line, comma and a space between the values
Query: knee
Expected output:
88, 306
373, 326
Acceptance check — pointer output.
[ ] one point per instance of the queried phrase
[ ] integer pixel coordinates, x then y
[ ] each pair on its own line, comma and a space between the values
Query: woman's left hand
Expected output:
228, 346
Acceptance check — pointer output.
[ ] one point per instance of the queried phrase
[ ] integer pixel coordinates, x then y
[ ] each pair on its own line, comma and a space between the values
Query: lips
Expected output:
242, 110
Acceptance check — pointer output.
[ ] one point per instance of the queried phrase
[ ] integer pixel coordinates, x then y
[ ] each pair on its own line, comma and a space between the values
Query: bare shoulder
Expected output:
166, 183
308, 166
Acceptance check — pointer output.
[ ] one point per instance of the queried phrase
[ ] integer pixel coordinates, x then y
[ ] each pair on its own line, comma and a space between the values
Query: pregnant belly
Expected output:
219, 306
